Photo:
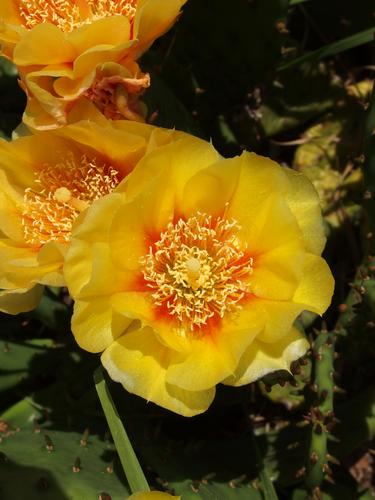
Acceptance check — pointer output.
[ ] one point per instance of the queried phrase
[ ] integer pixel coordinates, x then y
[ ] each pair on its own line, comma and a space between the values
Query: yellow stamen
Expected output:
70, 14
198, 270
61, 193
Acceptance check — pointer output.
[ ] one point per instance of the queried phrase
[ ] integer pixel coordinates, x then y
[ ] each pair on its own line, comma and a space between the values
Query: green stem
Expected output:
321, 414
128, 458
268, 489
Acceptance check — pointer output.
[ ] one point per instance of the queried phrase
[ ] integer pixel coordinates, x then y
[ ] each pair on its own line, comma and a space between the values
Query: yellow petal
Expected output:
102, 33
271, 225
140, 363
10, 201
259, 178
172, 165
128, 234
95, 325
263, 358
277, 273
279, 318
215, 356
20, 300
8, 12
44, 44
153, 18
211, 188
303, 200
20, 266
50, 262
88, 252
123, 149
139, 305
316, 287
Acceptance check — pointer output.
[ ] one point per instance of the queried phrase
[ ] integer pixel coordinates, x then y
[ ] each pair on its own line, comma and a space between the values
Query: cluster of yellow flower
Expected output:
187, 269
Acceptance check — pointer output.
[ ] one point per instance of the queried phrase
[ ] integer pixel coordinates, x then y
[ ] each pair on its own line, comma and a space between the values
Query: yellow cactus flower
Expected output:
207, 262
69, 50
47, 181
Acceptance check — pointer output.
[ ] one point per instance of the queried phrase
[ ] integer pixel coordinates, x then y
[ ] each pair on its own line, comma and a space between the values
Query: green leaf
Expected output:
332, 49
128, 458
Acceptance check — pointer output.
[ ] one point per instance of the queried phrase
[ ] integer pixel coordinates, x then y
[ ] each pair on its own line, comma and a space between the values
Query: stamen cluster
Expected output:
198, 270
70, 14
65, 190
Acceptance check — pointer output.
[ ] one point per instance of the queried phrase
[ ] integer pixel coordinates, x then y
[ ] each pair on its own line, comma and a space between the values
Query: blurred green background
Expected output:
291, 80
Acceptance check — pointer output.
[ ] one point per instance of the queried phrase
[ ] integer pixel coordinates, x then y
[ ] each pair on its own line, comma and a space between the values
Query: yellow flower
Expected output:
46, 181
69, 50
214, 259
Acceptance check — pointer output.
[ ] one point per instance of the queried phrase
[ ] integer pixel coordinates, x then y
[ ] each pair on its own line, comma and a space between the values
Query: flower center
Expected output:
65, 190
197, 270
70, 14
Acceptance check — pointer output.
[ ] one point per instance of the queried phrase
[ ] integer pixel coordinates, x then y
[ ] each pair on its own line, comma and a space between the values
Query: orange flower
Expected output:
69, 50
47, 181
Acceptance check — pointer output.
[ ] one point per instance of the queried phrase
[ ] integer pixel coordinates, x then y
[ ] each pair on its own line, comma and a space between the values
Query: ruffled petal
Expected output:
277, 273
215, 355
33, 49
95, 325
263, 358
17, 301
317, 285
79, 262
303, 200
140, 363
154, 17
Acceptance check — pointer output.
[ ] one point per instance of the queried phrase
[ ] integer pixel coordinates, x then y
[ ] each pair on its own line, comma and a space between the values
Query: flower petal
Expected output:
316, 287
33, 49
303, 200
95, 325
279, 318
102, 33
277, 273
154, 18
20, 300
140, 363
8, 12
215, 356
85, 239
263, 358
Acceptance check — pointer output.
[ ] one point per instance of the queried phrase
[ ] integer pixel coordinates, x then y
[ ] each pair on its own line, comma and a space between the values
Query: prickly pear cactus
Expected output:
57, 465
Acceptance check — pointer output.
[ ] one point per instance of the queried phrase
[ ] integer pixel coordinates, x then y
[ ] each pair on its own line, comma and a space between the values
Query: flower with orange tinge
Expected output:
67, 51
195, 273
47, 181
